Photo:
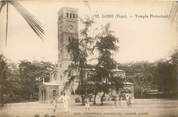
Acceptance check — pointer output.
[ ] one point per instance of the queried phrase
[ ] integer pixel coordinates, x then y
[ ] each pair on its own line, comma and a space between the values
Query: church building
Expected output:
67, 30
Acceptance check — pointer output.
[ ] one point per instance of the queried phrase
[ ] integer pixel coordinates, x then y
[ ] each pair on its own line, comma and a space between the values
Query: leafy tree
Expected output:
167, 81
14, 87
79, 50
31, 74
20, 83
174, 59
106, 44
143, 75
10, 82
3, 80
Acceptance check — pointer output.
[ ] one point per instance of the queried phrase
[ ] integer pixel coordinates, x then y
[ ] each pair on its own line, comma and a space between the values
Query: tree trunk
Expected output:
102, 98
82, 83
1, 97
83, 99
94, 102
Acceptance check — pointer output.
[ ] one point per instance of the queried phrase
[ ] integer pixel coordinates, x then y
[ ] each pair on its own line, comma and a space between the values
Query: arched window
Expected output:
67, 15
54, 93
69, 39
73, 15
61, 77
70, 15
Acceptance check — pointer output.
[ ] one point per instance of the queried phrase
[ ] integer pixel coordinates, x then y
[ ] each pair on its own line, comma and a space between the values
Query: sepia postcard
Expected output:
88, 58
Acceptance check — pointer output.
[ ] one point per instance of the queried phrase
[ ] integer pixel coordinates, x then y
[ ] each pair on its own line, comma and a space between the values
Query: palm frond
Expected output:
2, 4
7, 20
31, 20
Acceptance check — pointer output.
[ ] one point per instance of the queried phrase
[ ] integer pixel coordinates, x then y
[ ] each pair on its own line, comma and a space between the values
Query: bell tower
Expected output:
67, 30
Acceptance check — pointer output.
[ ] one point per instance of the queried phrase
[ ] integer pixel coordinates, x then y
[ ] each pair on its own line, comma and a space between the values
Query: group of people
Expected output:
65, 101
128, 99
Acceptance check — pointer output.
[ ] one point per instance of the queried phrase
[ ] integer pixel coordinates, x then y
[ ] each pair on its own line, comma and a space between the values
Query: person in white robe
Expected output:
65, 101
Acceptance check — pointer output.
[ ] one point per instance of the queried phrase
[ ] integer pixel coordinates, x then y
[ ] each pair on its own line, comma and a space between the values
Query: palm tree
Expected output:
32, 21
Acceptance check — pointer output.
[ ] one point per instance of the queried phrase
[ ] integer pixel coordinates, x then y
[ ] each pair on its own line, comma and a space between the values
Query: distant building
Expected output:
128, 87
119, 73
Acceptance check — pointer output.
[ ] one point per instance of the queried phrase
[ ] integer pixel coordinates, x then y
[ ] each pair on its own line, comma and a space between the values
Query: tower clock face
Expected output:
71, 27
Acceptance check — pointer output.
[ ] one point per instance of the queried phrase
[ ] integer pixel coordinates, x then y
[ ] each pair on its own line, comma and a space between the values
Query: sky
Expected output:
143, 29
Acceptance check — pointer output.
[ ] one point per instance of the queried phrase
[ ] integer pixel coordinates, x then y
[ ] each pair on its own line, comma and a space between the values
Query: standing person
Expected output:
66, 103
116, 100
129, 100
87, 104
54, 104
120, 100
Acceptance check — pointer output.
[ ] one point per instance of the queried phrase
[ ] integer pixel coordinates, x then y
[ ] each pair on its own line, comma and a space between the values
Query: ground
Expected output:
140, 107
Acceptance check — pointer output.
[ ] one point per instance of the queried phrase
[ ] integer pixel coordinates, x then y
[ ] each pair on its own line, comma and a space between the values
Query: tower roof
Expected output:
70, 9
